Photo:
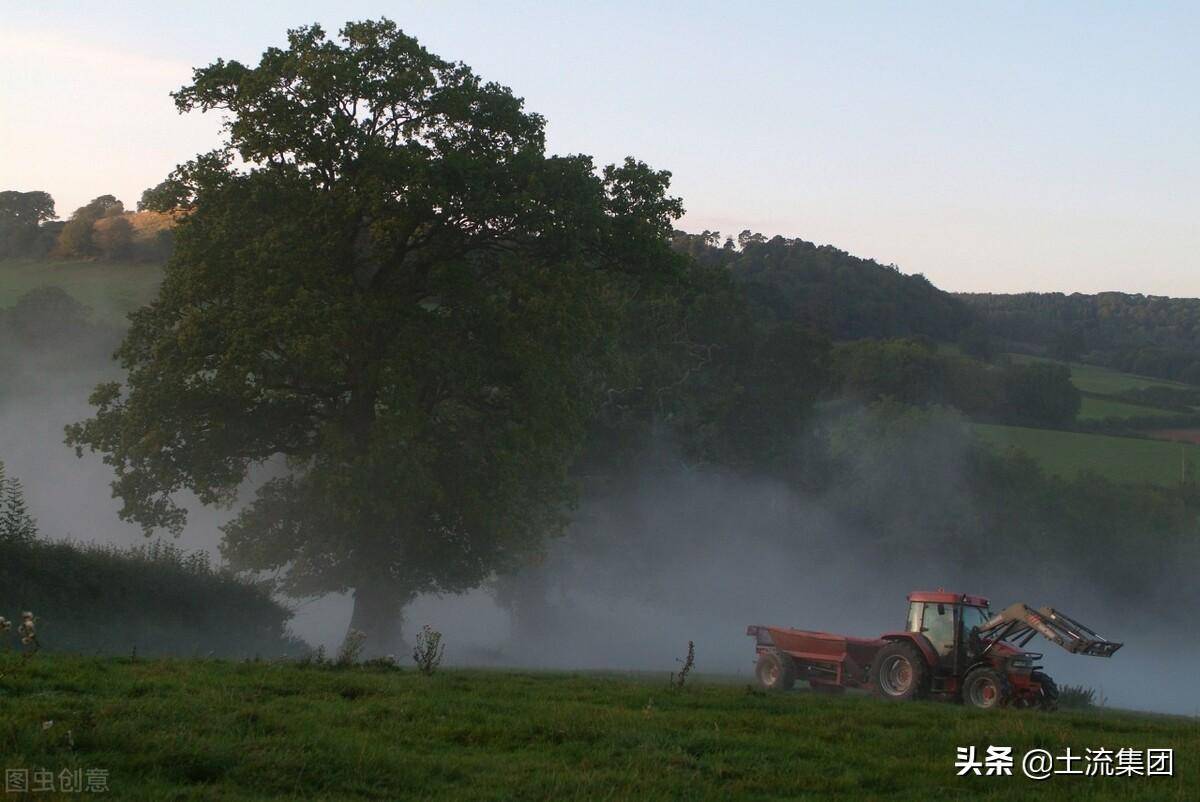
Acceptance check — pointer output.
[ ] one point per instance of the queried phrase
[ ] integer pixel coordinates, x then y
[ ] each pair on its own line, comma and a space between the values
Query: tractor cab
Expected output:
951, 623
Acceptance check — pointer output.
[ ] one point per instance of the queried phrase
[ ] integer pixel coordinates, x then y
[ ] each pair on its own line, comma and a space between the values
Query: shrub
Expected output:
155, 598
1077, 697
113, 237
680, 679
16, 524
427, 654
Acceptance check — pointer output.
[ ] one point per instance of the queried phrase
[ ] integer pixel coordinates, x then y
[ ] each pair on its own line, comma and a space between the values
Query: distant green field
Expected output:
111, 289
1098, 408
1118, 458
207, 730
1103, 381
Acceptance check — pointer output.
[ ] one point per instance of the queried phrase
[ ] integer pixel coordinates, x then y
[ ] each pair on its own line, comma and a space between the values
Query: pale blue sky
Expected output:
1001, 146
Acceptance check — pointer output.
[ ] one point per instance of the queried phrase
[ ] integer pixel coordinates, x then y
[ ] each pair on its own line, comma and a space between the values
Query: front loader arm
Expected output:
1019, 623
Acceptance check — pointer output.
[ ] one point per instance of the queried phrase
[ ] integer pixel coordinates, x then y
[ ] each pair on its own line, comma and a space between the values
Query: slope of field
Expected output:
219, 730
1103, 381
111, 289
1119, 458
1094, 408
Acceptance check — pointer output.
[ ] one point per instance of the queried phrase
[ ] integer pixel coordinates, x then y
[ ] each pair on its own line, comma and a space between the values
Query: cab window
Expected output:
937, 624
914, 616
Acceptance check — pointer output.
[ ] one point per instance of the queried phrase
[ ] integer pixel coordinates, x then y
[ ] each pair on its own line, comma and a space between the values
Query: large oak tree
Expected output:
385, 291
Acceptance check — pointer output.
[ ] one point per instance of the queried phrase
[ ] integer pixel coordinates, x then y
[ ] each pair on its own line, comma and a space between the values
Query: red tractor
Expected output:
953, 648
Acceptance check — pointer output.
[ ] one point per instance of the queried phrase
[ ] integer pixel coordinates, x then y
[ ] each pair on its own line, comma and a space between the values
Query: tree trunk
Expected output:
379, 615
534, 619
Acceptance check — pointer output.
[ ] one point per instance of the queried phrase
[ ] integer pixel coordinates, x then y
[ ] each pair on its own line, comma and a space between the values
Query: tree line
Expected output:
1143, 334
100, 229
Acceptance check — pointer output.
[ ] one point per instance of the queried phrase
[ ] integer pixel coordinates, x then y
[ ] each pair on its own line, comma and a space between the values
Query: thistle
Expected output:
28, 631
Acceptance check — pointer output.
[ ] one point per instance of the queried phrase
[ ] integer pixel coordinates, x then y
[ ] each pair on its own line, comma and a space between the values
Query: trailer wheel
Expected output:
775, 672
899, 672
985, 688
1048, 700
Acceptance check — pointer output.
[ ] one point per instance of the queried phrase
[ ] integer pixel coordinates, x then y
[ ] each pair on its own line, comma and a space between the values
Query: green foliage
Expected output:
21, 216
428, 651
45, 316
77, 239
790, 280
113, 238
974, 341
1076, 697
398, 291
16, 522
913, 371
212, 729
1145, 335
165, 196
936, 493
1040, 394
698, 373
154, 598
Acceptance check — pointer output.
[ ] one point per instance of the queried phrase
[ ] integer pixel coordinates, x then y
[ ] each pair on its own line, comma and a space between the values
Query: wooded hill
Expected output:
1143, 334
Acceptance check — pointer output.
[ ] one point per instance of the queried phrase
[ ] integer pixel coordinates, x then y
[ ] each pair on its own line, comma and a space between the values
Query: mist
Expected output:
699, 555
676, 554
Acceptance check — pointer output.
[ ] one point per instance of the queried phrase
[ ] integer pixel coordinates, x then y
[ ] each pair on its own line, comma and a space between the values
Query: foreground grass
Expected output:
111, 289
219, 730
1119, 458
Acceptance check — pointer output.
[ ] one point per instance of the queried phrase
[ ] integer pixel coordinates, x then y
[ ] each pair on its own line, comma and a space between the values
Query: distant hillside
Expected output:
848, 297
1142, 334
111, 290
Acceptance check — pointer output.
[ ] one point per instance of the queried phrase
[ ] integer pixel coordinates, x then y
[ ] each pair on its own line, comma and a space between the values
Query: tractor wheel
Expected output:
986, 688
899, 672
1048, 700
775, 672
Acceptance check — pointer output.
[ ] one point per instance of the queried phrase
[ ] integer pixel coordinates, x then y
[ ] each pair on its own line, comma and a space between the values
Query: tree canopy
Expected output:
20, 215
394, 302
826, 288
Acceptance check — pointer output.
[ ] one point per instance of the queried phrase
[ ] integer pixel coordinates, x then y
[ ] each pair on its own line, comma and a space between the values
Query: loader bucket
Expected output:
1076, 637
1020, 623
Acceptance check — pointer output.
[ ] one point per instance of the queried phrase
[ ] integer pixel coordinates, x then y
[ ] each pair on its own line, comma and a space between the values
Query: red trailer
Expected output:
953, 647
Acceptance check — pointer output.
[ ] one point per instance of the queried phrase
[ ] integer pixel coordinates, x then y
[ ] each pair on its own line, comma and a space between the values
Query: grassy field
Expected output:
216, 730
1099, 408
1119, 458
111, 289
1104, 381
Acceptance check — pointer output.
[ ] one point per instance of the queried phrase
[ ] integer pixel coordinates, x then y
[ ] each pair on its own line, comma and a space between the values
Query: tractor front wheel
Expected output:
1048, 700
985, 688
775, 672
899, 672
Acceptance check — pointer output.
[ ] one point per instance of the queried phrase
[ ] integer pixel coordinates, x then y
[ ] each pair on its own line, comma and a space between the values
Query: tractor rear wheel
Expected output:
899, 672
1048, 700
775, 672
986, 688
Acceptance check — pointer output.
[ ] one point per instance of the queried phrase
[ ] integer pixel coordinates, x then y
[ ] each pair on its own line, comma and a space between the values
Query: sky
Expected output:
999, 147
